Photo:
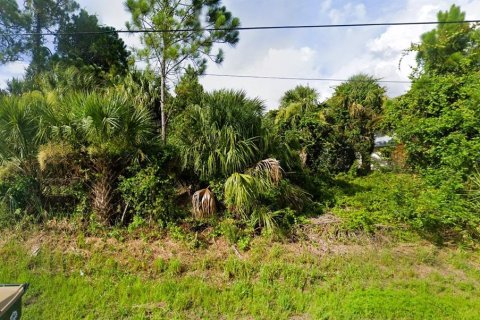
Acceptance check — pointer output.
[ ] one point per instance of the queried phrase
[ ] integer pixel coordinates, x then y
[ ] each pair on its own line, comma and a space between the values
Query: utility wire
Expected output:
294, 78
318, 26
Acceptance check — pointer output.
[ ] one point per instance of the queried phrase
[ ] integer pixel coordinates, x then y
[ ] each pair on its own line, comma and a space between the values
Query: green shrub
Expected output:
473, 191
150, 195
402, 200
8, 217
19, 196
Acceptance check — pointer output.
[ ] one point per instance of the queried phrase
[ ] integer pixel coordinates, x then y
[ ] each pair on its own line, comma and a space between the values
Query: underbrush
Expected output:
393, 205
403, 203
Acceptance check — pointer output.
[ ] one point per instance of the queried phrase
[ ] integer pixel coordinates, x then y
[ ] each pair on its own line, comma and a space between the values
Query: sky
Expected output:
306, 53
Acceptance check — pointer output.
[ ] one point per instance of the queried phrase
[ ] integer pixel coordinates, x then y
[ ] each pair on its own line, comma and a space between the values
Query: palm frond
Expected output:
270, 169
204, 204
54, 153
264, 218
294, 196
241, 193
222, 135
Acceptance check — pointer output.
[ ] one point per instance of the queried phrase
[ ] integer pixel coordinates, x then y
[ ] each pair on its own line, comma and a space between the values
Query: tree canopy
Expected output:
450, 47
437, 119
103, 50
187, 41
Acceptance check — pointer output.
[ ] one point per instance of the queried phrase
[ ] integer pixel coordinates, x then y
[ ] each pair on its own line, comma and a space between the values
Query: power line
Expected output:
296, 78
317, 26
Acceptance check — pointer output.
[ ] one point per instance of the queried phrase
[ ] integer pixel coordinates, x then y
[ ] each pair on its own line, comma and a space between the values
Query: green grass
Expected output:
270, 282
385, 269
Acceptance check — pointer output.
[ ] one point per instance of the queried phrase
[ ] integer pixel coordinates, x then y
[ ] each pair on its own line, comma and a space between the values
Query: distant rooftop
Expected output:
383, 141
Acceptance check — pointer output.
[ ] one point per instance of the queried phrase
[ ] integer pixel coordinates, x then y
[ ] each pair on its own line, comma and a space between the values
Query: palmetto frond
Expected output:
204, 204
19, 127
241, 193
264, 218
295, 103
268, 169
294, 197
221, 136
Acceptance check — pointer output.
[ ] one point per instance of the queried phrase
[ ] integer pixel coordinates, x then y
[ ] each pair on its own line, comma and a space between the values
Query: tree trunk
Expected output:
102, 191
366, 166
366, 154
162, 104
37, 43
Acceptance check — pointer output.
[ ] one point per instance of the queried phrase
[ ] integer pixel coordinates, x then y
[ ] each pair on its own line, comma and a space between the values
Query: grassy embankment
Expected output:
326, 273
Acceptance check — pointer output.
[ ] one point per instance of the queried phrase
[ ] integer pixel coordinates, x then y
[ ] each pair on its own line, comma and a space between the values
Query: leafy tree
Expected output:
188, 92
44, 16
296, 105
310, 128
103, 50
437, 119
357, 107
186, 39
12, 22
450, 47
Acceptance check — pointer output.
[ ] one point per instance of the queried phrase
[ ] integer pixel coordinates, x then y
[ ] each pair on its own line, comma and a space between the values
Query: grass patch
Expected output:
415, 281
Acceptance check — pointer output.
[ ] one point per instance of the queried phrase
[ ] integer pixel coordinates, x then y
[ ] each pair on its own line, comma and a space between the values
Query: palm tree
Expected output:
225, 138
294, 103
107, 128
357, 107
220, 136
19, 128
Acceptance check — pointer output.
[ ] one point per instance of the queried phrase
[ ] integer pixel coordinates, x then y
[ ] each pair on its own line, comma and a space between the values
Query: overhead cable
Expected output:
297, 78
314, 26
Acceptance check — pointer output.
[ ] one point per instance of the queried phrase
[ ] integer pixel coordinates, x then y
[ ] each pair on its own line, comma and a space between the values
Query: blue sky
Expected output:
312, 53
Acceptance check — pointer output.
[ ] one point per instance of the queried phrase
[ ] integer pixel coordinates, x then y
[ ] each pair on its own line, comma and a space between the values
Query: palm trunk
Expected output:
366, 154
102, 191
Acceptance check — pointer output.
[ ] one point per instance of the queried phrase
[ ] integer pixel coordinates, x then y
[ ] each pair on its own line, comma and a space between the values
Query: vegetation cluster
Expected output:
130, 193
87, 136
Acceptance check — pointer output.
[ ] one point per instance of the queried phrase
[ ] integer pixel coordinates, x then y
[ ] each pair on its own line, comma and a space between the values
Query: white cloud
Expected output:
11, 70
348, 12
325, 6
294, 62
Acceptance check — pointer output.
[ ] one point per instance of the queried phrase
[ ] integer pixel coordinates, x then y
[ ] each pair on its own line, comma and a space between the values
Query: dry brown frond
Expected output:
203, 203
356, 109
53, 154
303, 157
271, 168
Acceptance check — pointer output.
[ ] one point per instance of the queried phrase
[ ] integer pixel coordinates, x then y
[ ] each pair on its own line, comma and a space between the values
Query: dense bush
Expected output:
437, 121
150, 194
405, 201
19, 195
97, 144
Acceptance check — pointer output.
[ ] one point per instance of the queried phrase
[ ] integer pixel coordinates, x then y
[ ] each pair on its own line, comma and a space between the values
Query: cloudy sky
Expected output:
306, 53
